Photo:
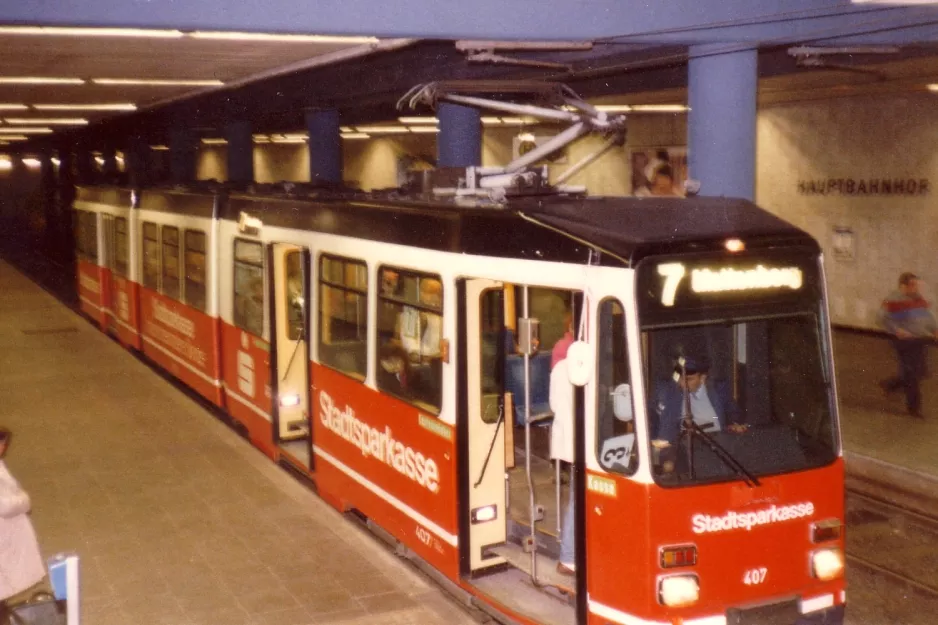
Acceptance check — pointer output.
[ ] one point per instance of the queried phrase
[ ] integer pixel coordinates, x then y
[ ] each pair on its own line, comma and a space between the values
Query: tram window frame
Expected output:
340, 283
392, 355
121, 251
86, 223
612, 371
150, 262
195, 290
171, 286
241, 264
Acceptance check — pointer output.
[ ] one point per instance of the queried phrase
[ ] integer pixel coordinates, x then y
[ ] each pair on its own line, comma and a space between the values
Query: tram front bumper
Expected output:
831, 616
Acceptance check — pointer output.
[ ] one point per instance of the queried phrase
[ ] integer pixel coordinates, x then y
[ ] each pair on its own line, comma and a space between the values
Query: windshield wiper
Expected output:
692, 430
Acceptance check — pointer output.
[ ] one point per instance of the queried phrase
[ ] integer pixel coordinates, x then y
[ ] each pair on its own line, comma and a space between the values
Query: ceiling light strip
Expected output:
24, 131
124, 106
145, 33
281, 37
39, 80
53, 121
158, 82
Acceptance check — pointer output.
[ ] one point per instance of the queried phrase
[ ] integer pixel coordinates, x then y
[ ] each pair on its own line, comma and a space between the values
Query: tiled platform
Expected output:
176, 519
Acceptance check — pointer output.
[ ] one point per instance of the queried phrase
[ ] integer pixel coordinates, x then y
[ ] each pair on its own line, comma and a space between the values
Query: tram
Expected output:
568, 409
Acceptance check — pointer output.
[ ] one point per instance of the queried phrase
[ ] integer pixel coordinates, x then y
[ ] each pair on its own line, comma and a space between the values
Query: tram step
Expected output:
547, 574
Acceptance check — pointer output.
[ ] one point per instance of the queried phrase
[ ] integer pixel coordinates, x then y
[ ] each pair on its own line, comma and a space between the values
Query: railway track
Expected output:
892, 541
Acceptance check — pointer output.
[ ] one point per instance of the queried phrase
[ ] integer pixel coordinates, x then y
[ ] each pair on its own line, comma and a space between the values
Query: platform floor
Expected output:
176, 519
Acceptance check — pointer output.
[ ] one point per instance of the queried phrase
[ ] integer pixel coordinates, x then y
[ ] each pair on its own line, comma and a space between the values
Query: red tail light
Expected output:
681, 555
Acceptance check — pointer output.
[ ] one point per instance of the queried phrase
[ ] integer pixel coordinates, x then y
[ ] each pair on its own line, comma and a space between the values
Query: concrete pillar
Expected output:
459, 142
183, 149
325, 146
722, 120
240, 152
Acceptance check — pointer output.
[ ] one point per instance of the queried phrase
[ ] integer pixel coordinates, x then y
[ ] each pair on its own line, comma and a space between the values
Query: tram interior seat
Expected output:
540, 385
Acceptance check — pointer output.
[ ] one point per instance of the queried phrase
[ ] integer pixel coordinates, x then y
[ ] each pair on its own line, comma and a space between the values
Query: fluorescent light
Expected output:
14, 137
161, 82
159, 148
56, 161
281, 37
932, 87
613, 108
99, 160
296, 135
39, 80
13, 107
90, 32
86, 107
52, 121
6, 164
261, 139
24, 131
32, 163
214, 141
418, 120
491, 121
518, 121
388, 130
287, 140
355, 135
659, 108
424, 129
346, 129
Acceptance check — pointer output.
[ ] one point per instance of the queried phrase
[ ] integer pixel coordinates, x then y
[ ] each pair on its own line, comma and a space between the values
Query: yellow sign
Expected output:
601, 485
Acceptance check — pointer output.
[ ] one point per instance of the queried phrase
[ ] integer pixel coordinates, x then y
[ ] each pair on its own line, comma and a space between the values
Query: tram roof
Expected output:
552, 227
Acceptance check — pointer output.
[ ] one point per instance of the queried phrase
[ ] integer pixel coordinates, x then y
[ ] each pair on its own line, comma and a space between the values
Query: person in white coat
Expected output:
21, 565
561, 449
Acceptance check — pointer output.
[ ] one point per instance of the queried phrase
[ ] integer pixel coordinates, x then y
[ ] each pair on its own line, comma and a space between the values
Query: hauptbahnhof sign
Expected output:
865, 186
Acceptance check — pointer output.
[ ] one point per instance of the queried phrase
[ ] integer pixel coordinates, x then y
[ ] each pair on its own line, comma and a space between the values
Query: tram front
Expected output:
744, 478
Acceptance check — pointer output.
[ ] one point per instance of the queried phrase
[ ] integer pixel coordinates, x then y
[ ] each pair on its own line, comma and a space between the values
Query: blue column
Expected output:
138, 162
325, 146
459, 142
109, 154
722, 120
182, 154
240, 152
84, 164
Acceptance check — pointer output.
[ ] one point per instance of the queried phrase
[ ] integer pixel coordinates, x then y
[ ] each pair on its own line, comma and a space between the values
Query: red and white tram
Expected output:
398, 351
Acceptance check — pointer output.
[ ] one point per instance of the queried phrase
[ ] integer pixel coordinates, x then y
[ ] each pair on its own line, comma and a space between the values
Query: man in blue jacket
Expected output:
711, 402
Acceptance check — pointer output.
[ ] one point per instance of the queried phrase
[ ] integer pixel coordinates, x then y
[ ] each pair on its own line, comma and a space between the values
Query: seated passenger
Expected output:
420, 331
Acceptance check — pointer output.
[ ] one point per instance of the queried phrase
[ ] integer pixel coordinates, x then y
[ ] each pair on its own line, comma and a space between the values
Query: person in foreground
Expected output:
907, 316
21, 565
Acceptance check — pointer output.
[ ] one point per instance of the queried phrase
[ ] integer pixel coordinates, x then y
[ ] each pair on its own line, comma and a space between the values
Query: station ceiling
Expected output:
272, 82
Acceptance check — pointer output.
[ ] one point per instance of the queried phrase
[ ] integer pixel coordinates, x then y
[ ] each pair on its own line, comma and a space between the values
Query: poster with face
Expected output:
659, 172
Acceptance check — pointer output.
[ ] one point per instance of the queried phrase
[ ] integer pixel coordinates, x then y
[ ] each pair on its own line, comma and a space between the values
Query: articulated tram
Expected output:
421, 357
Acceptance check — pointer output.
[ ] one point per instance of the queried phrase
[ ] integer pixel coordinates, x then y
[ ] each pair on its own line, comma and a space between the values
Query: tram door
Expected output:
486, 515
109, 291
290, 268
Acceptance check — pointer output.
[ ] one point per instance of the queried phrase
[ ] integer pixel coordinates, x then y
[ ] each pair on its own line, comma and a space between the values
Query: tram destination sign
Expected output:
671, 285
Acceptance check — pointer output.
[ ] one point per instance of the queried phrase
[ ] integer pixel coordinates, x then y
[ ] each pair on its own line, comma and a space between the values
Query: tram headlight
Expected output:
288, 400
678, 590
823, 531
827, 564
484, 514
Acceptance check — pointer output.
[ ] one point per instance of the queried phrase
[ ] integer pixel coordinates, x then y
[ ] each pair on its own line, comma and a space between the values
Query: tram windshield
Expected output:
737, 373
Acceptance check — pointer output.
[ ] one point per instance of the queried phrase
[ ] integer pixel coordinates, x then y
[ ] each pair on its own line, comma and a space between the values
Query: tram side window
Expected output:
615, 428
87, 225
151, 256
171, 262
249, 286
410, 328
195, 269
120, 246
343, 315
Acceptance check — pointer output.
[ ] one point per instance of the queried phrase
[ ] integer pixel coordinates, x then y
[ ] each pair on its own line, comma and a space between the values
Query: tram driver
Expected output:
711, 406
